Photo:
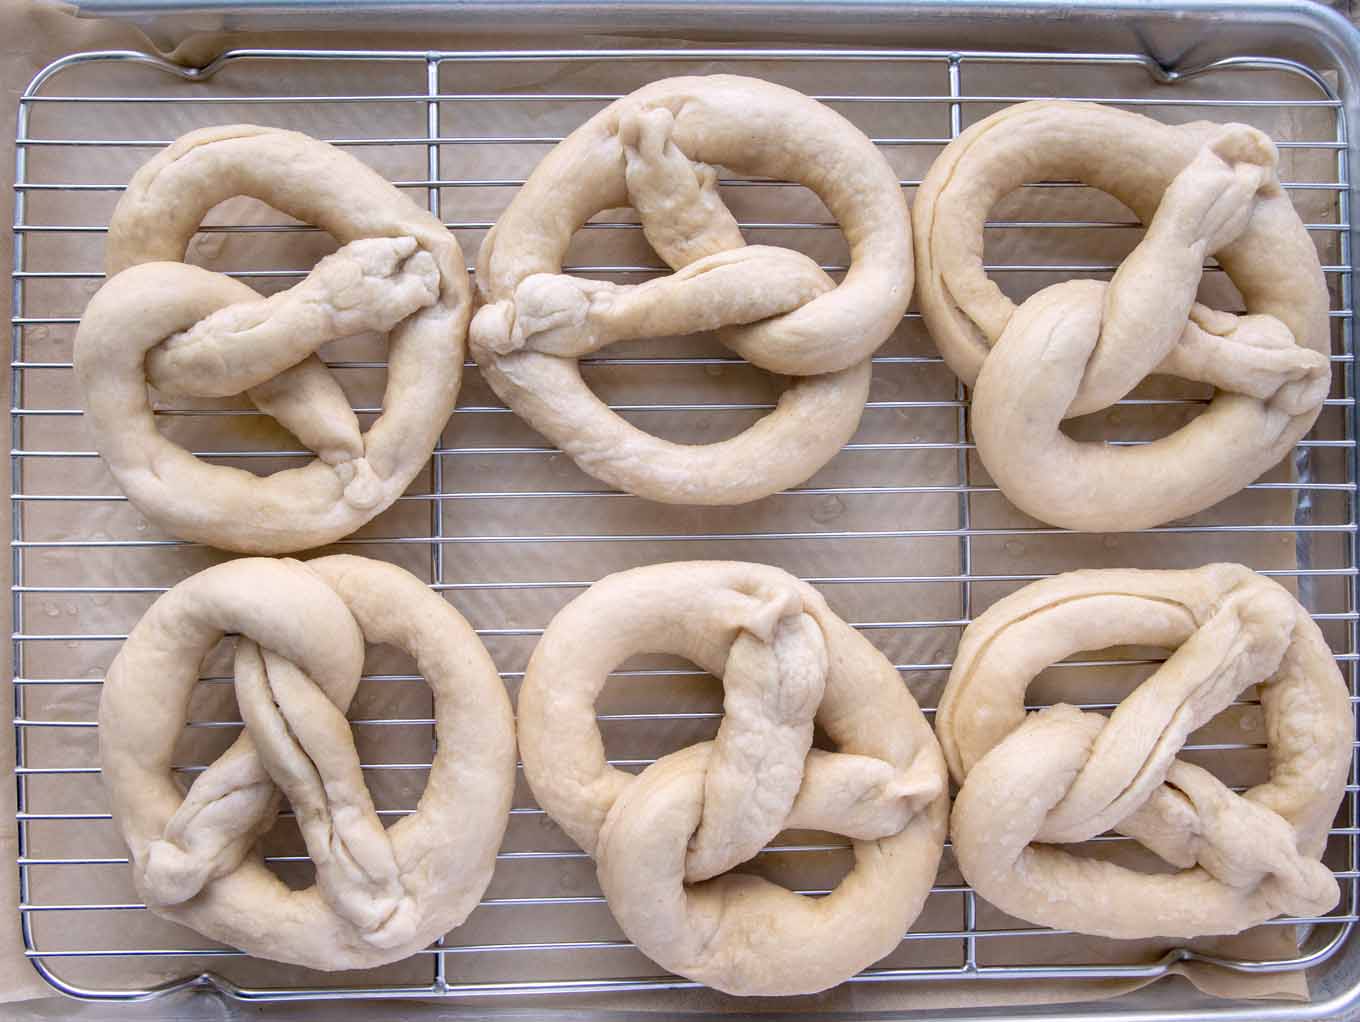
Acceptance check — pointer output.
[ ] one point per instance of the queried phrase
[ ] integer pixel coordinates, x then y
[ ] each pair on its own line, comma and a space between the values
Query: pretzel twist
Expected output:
664, 840
1062, 775
655, 150
1076, 347
380, 894
191, 332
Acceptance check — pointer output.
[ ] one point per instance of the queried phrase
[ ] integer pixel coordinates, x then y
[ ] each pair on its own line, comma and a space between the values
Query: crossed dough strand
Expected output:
664, 840
381, 894
191, 332
1076, 347
656, 150
1062, 775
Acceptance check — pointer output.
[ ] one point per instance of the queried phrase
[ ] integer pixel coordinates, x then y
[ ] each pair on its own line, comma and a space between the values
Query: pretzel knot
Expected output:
1077, 347
380, 894
1062, 775
189, 332
656, 150
664, 840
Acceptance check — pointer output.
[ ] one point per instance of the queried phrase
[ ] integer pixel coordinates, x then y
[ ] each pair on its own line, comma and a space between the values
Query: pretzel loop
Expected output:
380, 894
665, 839
656, 150
190, 332
1077, 347
1065, 776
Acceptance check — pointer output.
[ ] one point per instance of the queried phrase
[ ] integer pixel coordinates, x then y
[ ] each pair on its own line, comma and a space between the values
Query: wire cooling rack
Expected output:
903, 531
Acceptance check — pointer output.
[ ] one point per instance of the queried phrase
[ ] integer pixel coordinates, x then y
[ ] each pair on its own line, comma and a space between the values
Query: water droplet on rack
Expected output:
51, 610
1014, 547
208, 246
881, 389
828, 509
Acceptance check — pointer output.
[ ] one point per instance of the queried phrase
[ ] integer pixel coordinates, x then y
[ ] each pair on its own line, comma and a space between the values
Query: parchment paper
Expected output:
32, 35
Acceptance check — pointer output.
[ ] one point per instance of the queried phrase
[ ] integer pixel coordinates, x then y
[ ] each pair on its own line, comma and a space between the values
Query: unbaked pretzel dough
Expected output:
655, 150
663, 840
1062, 775
380, 895
188, 331
1076, 347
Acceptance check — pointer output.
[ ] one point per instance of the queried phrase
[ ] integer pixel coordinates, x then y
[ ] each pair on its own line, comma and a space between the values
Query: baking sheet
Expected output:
825, 553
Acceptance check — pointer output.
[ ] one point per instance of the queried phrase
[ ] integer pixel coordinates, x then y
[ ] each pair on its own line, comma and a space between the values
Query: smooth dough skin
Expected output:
381, 894
664, 840
656, 150
1030, 782
188, 331
1203, 190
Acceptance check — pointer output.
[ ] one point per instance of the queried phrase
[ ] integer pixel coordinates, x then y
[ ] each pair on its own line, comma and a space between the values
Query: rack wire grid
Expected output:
903, 531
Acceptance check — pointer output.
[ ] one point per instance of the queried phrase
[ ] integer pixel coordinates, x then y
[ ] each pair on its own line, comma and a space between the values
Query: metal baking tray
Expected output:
936, 68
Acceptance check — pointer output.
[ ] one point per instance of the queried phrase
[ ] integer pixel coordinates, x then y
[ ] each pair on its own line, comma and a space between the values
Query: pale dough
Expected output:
661, 839
1061, 775
1076, 347
188, 331
380, 895
656, 150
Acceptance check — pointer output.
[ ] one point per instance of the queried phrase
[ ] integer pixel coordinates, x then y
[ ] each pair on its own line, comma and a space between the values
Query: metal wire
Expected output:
1325, 469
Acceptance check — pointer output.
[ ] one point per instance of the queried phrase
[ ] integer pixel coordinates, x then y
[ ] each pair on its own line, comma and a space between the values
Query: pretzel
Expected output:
188, 331
380, 895
1063, 775
662, 838
655, 150
1076, 347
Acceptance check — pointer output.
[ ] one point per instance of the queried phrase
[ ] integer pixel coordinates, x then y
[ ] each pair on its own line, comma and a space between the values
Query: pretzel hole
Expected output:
808, 862
756, 200
1156, 408
245, 234
212, 706
712, 396
1055, 223
653, 705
